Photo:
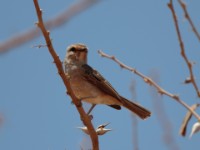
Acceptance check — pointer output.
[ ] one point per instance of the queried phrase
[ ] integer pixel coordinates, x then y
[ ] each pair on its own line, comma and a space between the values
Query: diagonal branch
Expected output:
186, 120
30, 34
150, 82
189, 64
187, 16
84, 117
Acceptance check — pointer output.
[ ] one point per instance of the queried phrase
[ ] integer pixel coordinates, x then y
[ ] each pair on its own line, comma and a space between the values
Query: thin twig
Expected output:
60, 19
187, 16
150, 82
84, 117
189, 64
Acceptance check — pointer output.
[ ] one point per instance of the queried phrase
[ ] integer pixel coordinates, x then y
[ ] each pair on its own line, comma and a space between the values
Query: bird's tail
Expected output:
140, 111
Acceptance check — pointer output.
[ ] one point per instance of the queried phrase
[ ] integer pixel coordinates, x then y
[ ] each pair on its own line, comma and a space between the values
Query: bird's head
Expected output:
76, 53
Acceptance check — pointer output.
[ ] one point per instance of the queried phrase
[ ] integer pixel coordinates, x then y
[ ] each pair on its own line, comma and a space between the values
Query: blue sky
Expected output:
38, 115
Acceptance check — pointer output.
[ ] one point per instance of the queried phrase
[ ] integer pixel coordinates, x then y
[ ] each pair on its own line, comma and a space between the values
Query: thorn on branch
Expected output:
78, 103
133, 70
169, 5
188, 80
112, 57
161, 92
39, 46
49, 44
183, 4
121, 66
41, 11
67, 92
190, 64
37, 24
147, 80
176, 97
58, 57
59, 72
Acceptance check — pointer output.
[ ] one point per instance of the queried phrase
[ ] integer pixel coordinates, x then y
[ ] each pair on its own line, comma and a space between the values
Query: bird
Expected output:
90, 86
100, 130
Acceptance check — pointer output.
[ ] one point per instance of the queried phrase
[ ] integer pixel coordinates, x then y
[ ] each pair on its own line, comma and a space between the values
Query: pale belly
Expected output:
87, 92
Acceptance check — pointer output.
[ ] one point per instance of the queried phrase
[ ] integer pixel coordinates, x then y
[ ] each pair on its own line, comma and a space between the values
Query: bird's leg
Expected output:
93, 105
91, 108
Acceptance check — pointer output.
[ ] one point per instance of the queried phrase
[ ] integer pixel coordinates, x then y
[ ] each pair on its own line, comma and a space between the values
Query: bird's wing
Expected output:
95, 78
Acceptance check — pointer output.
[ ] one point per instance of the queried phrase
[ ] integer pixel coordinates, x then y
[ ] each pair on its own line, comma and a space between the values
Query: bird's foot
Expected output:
91, 108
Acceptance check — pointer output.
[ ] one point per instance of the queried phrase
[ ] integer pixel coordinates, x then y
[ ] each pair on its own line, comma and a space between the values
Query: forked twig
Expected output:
189, 64
84, 117
187, 16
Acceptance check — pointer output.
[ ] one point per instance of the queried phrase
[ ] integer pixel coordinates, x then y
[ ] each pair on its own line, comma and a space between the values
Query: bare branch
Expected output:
30, 34
187, 16
84, 117
189, 64
150, 82
186, 119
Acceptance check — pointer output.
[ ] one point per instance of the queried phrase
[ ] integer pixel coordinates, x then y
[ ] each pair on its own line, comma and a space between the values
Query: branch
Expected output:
84, 117
189, 64
186, 120
187, 16
150, 82
30, 34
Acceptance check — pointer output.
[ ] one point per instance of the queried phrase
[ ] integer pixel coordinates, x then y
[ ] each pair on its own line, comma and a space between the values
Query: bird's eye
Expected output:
73, 49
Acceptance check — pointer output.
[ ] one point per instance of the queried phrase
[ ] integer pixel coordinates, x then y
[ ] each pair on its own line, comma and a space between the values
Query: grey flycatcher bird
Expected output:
88, 85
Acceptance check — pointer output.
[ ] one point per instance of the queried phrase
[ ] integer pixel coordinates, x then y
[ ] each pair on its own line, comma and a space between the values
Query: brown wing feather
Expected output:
95, 78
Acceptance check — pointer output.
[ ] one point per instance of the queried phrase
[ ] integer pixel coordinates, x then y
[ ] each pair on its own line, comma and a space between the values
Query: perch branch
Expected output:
84, 117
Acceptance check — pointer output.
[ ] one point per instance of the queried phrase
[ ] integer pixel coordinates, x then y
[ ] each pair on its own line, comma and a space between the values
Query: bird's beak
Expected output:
106, 124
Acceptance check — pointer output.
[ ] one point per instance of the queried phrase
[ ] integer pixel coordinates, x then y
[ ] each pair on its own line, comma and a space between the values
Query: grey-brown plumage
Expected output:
88, 85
